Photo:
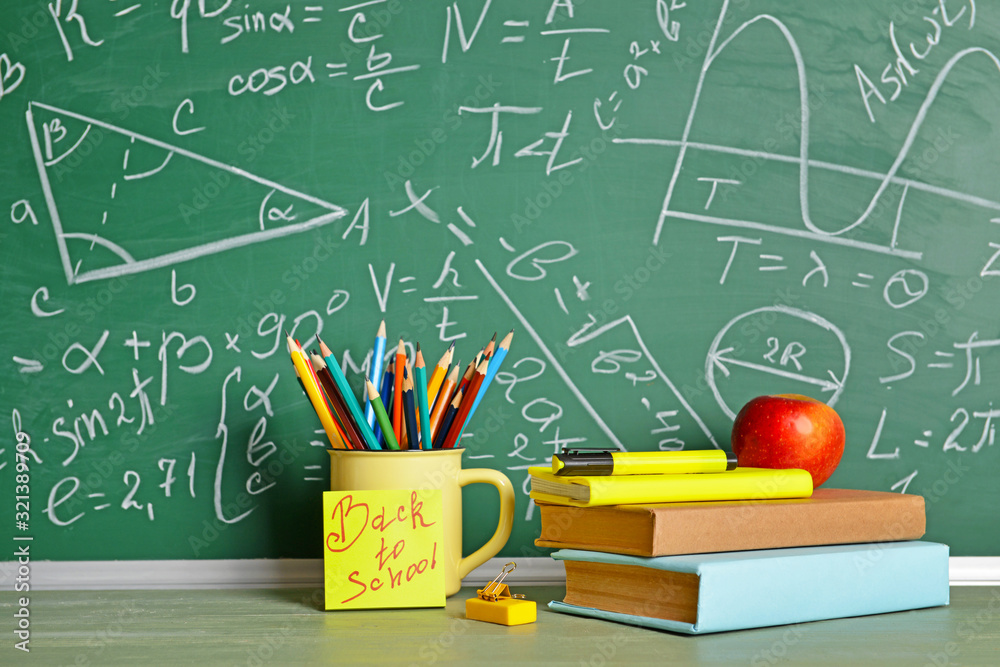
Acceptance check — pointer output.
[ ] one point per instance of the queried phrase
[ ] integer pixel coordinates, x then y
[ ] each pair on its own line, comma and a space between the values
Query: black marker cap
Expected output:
577, 463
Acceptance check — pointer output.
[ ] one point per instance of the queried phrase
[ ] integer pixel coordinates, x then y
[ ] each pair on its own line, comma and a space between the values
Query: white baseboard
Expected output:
266, 573
974, 571
237, 573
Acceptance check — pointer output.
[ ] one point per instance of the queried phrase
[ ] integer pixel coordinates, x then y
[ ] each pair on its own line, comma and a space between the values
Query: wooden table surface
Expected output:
257, 627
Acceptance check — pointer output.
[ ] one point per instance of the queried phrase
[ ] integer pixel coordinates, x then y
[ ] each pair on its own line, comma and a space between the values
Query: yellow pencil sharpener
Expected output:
496, 604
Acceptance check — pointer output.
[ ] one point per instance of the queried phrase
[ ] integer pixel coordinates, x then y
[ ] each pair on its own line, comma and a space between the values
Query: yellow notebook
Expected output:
738, 484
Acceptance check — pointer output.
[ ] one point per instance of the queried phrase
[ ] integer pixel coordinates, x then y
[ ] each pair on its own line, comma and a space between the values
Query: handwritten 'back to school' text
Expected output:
383, 549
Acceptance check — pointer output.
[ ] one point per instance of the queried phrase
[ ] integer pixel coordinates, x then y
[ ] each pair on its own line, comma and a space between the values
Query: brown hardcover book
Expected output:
830, 516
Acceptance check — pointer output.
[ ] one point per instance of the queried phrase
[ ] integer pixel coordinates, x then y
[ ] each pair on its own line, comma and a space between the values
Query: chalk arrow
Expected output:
29, 365
716, 360
720, 361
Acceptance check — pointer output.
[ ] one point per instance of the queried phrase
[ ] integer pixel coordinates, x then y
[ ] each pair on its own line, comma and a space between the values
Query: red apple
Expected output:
789, 431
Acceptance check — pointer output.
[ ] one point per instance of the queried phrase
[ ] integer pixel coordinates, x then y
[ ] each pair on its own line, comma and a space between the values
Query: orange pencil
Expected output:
437, 376
397, 393
457, 426
488, 350
444, 397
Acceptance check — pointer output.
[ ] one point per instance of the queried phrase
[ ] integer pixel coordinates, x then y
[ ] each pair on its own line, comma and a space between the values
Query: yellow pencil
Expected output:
315, 395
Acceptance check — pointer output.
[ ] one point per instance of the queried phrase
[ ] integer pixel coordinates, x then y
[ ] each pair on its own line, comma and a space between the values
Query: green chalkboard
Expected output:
676, 205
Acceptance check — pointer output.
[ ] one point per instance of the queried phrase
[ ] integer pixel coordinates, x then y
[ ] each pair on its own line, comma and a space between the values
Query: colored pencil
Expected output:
404, 436
438, 375
348, 395
420, 394
488, 350
470, 370
397, 392
341, 431
408, 374
410, 414
403, 439
315, 395
458, 426
498, 356
386, 391
448, 420
350, 429
378, 354
380, 415
444, 398
338, 441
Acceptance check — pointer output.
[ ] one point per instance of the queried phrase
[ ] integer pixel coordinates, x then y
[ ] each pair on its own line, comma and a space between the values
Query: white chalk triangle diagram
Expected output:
123, 203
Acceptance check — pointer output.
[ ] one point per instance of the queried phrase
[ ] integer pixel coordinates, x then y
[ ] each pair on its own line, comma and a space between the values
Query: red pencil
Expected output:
457, 426
448, 420
470, 370
397, 393
354, 437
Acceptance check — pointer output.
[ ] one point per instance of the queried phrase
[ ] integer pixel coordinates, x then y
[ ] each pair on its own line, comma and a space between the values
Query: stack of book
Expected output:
743, 548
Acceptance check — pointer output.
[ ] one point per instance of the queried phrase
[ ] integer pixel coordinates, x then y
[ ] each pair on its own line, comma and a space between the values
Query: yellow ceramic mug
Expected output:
354, 470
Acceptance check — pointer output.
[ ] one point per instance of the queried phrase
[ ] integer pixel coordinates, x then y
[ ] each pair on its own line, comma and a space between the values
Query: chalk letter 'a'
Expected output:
868, 92
362, 211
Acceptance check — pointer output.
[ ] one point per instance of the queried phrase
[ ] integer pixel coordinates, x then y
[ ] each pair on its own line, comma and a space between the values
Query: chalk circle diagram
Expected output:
719, 360
117, 199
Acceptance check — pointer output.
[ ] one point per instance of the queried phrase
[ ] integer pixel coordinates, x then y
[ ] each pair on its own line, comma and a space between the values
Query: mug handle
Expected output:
499, 539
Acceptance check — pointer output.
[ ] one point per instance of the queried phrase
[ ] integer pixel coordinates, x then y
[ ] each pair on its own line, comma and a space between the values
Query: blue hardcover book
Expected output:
751, 589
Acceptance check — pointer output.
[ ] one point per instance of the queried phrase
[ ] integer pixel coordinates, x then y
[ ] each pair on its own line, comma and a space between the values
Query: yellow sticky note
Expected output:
383, 549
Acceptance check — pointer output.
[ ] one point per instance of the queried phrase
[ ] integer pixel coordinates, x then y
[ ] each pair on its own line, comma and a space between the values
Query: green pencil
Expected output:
420, 389
380, 416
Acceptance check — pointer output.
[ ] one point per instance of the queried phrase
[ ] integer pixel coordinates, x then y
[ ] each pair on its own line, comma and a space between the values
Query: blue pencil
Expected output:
378, 354
491, 370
